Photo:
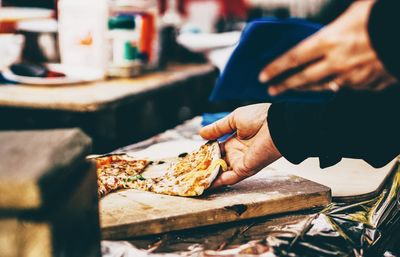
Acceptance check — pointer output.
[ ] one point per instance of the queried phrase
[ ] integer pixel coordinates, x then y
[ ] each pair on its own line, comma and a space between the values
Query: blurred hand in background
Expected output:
250, 149
339, 55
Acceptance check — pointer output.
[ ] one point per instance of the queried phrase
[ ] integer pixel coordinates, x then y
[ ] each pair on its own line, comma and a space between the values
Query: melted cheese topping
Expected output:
188, 176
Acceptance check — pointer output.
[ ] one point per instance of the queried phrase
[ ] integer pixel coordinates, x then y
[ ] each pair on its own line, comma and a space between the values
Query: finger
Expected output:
364, 77
219, 128
376, 83
327, 86
306, 51
383, 84
357, 77
233, 176
226, 178
312, 74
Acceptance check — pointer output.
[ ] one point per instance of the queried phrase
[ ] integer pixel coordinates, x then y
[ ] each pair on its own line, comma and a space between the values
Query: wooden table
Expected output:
113, 112
341, 229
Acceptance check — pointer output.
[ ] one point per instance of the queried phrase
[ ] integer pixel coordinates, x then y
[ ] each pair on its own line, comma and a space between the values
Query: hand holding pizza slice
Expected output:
190, 175
250, 150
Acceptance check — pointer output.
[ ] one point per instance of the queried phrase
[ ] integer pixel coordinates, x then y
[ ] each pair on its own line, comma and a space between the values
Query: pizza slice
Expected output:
187, 175
190, 174
115, 171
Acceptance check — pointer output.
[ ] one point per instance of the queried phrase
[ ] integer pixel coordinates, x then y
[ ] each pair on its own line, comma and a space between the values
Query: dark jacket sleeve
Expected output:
383, 27
362, 125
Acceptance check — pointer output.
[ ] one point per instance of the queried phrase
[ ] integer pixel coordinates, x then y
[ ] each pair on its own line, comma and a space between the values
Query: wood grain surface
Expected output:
37, 166
69, 228
24, 239
131, 213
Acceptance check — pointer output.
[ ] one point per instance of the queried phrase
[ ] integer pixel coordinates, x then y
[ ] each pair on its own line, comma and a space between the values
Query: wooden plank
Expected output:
98, 95
36, 167
8, 240
35, 239
48, 203
75, 222
69, 229
24, 239
132, 213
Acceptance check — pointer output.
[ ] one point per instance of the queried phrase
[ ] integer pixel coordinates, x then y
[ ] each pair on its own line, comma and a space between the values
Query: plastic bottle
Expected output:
146, 12
124, 52
83, 33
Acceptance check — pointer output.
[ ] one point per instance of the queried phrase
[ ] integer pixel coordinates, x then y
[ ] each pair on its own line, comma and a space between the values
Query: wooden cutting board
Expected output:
130, 213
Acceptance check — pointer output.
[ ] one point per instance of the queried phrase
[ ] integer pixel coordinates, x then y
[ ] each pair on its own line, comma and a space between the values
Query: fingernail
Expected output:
263, 77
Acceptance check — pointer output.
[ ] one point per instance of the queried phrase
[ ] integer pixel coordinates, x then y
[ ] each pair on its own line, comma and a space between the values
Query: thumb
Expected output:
219, 128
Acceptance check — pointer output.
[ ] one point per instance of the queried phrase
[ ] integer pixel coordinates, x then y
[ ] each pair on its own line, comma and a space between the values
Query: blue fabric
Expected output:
209, 118
261, 42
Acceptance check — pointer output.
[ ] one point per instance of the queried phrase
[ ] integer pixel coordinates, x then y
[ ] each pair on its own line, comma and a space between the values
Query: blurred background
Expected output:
38, 21
48, 47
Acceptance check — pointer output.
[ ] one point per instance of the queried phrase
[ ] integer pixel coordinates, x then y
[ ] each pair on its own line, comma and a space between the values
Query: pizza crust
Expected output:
188, 175
216, 165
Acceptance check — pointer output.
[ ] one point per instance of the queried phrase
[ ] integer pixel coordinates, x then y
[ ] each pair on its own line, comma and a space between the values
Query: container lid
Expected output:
122, 22
38, 25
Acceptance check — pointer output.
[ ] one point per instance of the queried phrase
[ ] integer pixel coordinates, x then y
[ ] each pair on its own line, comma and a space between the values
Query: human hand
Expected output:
250, 150
339, 55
